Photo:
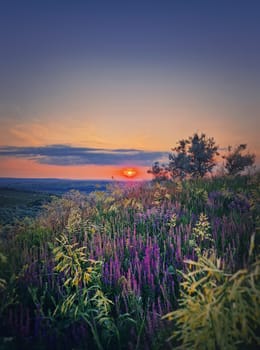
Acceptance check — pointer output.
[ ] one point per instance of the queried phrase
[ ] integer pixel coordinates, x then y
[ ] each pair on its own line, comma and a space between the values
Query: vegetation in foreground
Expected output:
100, 271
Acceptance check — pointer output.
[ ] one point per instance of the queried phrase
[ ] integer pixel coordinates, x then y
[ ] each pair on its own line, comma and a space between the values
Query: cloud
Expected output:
66, 155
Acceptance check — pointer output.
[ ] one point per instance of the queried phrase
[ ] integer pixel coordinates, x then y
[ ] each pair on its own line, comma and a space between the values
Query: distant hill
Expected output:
17, 204
54, 186
24, 197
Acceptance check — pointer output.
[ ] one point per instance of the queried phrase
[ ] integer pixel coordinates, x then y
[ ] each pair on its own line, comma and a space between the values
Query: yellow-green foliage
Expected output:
173, 220
2, 281
74, 220
72, 261
82, 298
217, 310
160, 194
202, 228
202, 238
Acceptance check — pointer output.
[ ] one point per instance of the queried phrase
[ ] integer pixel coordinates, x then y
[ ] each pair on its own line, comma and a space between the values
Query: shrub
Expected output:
159, 172
236, 161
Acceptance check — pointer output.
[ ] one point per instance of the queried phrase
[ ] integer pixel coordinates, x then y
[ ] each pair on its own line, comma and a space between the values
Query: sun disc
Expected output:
129, 172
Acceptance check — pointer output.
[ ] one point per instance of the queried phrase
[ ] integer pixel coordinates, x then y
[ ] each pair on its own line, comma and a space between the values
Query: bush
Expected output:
236, 162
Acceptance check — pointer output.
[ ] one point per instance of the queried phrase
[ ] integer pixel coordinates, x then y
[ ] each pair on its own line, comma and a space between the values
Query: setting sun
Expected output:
129, 172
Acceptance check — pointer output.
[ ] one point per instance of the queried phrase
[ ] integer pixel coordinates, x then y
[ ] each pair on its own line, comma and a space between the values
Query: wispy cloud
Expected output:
68, 155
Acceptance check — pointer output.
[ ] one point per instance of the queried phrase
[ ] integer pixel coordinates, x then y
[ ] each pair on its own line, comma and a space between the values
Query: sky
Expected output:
88, 88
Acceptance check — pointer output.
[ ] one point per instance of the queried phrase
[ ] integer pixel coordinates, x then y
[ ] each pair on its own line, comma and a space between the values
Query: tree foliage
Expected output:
193, 157
236, 161
159, 172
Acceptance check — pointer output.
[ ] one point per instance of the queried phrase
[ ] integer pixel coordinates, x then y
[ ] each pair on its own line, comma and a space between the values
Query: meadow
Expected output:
155, 265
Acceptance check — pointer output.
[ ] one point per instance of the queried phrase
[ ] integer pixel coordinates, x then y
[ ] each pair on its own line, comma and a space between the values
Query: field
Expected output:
155, 265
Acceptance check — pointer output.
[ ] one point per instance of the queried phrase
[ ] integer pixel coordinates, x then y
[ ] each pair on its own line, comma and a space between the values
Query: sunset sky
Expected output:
90, 87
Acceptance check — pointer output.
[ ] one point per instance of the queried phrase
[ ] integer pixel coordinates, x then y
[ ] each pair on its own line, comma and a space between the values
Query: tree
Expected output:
236, 161
193, 157
160, 172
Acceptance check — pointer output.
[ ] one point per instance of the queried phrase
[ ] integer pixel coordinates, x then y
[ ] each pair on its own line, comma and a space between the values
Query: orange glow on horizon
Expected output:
25, 168
130, 173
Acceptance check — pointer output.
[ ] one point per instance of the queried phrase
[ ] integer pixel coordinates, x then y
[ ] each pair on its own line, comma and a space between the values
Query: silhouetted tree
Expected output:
236, 162
159, 172
193, 157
